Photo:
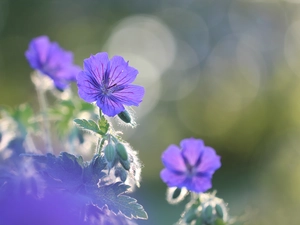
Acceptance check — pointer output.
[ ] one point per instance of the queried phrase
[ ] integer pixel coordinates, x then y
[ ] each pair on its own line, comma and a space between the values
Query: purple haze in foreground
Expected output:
191, 167
108, 83
50, 59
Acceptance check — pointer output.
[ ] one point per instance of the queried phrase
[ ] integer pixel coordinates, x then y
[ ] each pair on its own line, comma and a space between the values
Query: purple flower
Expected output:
108, 83
192, 167
50, 59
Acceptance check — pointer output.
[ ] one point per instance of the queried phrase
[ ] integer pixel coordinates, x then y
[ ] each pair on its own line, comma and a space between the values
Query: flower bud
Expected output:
125, 164
110, 153
190, 214
199, 221
123, 175
208, 212
121, 150
219, 211
176, 193
125, 116
120, 172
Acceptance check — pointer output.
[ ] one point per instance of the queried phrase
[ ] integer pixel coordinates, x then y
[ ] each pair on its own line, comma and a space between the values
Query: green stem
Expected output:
100, 145
43, 107
100, 113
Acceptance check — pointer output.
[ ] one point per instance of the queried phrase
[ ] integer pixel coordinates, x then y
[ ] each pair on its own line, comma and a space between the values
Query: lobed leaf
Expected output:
112, 197
89, 125
63, 172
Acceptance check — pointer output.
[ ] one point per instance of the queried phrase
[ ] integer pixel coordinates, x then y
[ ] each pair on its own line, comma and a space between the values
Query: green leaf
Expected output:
89, 125
93, 170
23, 115
103, 124
112, 197
64, 172
219, 222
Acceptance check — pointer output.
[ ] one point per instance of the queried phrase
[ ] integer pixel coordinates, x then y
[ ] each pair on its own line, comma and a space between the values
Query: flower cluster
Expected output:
65, 189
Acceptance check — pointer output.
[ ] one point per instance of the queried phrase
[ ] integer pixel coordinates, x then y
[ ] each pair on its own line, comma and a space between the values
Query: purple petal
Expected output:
109, 105
71, 72
210, 161
88, 88
130, 95
97, 65
61, 85
172, 159
120, 73
192, 149
37, 52
172, 179
58, 58
199, 184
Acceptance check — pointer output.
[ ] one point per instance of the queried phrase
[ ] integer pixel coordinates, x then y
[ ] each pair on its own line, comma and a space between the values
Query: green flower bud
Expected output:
219, 211
125, 116
110, 153
123, 175
120, 172
176, 193
125, 164
199, 221
121, 150
208, 212
190, 214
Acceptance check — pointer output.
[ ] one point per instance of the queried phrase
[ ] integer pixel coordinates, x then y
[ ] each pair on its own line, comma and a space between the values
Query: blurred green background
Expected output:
225, 71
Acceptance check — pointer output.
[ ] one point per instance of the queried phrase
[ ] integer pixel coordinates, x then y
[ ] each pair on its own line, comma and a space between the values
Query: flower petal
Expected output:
199, 184
130, 94
172, 179
109, 105
210, 161
37, 52
58, 58
97, 65
88, 88
192, 149
120, 73
172, 159
60, 85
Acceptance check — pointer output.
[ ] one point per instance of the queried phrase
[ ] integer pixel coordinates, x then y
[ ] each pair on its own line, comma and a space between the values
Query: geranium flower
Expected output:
191, 167
51, 60
108, 83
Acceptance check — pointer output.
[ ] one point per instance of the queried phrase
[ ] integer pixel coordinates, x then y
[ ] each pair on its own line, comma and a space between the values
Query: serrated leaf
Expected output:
84, 106
63, 172
112, 197
93, 170
89, 125
103, 124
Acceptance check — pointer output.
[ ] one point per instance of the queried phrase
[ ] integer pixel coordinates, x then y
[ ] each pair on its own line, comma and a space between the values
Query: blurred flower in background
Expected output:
51, 60
225, 71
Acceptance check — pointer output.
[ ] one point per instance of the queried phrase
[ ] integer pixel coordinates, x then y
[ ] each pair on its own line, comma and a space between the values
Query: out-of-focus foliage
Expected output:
225, 71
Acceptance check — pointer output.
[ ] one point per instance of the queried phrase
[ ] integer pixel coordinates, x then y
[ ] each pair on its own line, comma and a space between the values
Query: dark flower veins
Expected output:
108, 83
192, 167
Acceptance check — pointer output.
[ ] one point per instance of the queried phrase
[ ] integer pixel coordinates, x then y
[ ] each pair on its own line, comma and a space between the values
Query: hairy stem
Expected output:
41, 93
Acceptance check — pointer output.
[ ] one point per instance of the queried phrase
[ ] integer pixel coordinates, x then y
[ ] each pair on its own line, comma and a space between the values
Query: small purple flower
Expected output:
50, 59
192, 167
108, 83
